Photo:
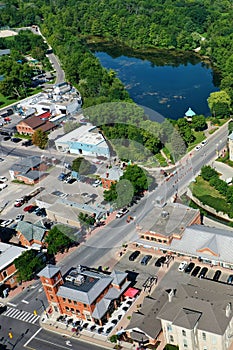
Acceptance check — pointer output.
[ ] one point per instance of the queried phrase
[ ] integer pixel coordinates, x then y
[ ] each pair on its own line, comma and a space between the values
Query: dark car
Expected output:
27, 143
217, 275
134, 255
160, 261
230, 279
41, 212
61, 177
71, 181
32, 209
146, 259
16, 139
6, 138
189, 268
195, 271
203, 272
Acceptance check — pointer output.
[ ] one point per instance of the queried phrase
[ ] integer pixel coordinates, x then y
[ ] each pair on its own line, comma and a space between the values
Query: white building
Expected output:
85, 140
199, 316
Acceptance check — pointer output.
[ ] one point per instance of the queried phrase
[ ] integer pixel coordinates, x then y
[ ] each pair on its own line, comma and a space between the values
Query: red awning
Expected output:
131, 292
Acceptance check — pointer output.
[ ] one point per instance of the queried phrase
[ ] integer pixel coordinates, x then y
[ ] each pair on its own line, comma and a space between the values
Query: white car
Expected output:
3, 178
182, 266
96, 183
3, 185
204, 142
5, 223
122, 212
197, 148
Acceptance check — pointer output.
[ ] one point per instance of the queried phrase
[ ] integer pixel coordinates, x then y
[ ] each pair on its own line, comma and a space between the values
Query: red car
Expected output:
29, 207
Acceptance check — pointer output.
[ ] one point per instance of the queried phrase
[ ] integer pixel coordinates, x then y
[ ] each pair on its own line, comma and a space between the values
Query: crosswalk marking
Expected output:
21, 315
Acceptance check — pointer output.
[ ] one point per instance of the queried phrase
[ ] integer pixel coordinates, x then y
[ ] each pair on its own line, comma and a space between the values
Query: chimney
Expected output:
228, 309
171, 295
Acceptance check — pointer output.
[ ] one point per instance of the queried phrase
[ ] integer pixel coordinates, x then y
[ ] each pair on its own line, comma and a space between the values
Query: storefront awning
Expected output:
131, 292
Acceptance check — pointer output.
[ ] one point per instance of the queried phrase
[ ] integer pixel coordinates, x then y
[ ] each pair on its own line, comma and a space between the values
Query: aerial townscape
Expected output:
116, 175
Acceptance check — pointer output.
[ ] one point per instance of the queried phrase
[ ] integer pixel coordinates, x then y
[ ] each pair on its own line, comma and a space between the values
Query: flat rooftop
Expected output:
87, 134
169, 220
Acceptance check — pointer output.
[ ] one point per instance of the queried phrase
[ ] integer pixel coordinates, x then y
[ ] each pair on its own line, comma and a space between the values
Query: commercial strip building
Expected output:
86, 293
85, 140
195, 316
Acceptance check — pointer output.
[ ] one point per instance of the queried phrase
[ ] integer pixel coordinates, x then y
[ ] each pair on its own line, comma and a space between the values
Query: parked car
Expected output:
3, 178
203, 272
182, 266
5, 223
28, 207
204, 142
19, 217
19, 202
27, 143
41, 212
3, 185
230, 279
16, 139
189, 268
61, 176
217, 275
133, 256
6, 138
196, 271
71, 181
160, 261
197, 148
146, 259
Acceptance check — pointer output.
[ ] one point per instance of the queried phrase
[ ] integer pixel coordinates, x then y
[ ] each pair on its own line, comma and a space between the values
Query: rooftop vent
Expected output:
79, 280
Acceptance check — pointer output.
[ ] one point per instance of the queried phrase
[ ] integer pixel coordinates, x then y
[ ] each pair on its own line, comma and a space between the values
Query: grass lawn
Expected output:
5, 101
200, 136
161, 159
208, 195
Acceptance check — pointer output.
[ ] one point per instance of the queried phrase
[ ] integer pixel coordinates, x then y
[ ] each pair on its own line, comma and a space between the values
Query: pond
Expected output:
163, 82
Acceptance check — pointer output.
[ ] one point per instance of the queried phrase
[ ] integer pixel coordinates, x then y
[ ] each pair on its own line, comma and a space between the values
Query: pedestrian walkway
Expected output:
21, 315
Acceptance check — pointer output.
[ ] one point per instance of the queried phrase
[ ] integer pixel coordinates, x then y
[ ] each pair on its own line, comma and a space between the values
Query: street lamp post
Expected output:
43, 305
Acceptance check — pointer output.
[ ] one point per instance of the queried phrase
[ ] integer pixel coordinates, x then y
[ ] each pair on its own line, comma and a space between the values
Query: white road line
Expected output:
56, 346
25, 301
11, 304
34, 335
31, 317
9, 312
14, 314
25, 316
37, 317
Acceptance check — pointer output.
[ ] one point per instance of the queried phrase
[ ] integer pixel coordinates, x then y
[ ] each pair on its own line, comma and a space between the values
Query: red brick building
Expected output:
31, 235
85, 293
8, 272
111, 176
30, 125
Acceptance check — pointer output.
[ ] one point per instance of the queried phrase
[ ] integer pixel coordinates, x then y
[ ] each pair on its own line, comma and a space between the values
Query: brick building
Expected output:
111, 176
31, 235
8, 253
85, 293
31, 124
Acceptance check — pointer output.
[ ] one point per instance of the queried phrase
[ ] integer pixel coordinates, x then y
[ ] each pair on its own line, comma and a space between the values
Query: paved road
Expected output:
102, 246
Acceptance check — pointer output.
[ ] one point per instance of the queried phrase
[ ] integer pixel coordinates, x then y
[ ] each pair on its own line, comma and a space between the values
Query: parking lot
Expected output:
168, 277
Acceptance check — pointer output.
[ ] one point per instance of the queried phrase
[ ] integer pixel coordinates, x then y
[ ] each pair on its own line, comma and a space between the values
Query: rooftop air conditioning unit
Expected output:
79, 280
70, 279
165, 214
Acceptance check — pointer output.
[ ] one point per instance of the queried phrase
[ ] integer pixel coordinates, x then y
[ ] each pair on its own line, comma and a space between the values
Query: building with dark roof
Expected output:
29, 170
30, 125
31, 235
85, 293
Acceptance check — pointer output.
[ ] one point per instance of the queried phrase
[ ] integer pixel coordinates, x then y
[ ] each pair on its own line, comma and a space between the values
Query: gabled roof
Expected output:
187, 318
31, 231
32, 122
49, 271
101, 308
211, 245
118, 276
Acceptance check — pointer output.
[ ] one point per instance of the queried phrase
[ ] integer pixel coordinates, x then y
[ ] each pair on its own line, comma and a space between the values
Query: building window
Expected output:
203, 336
169, 328
67, 308
72, 310
185, 343
69, 301
214, 340
51, 297
84, 305
64, 299
4, 274
171, 338
183, 333
75, 302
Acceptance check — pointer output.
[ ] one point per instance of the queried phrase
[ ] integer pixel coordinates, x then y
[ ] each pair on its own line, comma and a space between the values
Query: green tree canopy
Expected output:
207, 172
81, 166
219, 103
57, 241
27, 264
199, 122
40, 138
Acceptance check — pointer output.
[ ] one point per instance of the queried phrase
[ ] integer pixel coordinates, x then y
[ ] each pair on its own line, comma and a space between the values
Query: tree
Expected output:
199, 122
86, 220
57, 241
137, 177
111, 194
177, 145
70, 126
40, 138
219, 103
207, 172
27, 264
81, 166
